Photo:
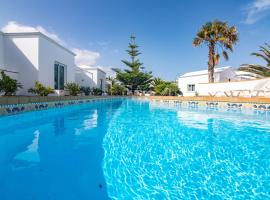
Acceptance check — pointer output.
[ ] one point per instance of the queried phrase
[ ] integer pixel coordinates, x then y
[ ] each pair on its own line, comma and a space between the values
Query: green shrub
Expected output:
8, 85
73, 88
97, 91
85, 90
167, 89
41, 90
117, 89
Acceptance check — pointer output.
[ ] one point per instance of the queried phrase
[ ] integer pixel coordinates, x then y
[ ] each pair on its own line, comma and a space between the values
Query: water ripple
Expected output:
153, 153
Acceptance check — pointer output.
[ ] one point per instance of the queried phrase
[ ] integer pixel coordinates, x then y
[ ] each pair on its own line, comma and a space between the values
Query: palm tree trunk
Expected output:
211, 62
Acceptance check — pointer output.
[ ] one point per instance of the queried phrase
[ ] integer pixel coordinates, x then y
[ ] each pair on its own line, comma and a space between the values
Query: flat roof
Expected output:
84, 67
203, 72
39, 34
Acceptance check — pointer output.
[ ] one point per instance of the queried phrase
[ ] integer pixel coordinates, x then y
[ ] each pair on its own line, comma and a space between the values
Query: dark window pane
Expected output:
62, 77
56, 76
101, 84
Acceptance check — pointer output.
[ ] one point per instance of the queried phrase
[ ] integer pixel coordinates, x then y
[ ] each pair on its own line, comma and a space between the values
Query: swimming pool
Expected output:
132, 149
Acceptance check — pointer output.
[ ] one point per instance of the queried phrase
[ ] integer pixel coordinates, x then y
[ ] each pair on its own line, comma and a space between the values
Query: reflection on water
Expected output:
90, 121
31, 154
58, 157
59, 126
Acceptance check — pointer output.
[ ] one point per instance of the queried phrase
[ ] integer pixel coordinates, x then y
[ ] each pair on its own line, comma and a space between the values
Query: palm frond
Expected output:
267, 59
225, 55
197, 41
256, 69
217, 58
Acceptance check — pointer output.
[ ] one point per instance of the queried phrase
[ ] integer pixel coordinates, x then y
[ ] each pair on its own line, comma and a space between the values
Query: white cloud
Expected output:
85, 57
14, 27
257, 10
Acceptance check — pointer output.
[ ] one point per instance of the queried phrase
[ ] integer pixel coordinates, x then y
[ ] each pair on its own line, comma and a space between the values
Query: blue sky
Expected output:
99, 30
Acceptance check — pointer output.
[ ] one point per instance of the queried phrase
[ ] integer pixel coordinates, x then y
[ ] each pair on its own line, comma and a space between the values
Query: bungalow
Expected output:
33, 56
91, 77
190, 83
1, 49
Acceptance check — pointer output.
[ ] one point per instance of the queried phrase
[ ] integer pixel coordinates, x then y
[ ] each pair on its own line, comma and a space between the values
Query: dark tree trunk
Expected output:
211, 62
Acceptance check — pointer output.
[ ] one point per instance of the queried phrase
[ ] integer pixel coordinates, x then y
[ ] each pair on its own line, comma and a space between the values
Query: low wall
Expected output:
228, 103
16, 105
4, 100
246, 88
262, 100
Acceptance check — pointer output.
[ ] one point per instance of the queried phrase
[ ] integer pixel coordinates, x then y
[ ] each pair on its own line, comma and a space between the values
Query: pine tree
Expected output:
134, 78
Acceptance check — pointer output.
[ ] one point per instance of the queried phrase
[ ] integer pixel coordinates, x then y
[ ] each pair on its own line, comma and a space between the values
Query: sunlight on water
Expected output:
158, 153
134, 149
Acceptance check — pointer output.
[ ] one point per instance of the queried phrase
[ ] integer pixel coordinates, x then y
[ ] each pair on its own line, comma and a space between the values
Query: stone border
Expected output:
16, 105
212, 104
38, 99
256, 100
11, 109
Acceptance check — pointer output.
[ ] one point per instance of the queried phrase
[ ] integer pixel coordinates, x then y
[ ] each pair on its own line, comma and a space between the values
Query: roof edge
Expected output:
39, 34
203, 72
91, 68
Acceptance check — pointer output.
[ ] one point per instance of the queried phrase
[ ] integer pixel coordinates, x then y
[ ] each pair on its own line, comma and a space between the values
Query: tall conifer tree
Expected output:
134, 78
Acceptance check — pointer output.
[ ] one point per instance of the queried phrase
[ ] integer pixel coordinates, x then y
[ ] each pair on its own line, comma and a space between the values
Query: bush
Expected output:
73, 88
41, 90
167, 89
85, 90
8, 85
117, 89
97, 91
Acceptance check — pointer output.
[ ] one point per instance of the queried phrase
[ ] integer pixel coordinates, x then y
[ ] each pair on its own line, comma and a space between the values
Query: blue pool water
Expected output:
133, 149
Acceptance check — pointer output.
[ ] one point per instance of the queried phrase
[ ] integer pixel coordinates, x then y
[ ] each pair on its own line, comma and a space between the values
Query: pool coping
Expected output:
238, 103
21, 104
259, 100
43, 103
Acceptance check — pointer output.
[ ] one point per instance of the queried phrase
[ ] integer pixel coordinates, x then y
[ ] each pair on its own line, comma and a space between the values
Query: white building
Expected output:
33, 56
188, 82
1, 49
91, 77
192, 83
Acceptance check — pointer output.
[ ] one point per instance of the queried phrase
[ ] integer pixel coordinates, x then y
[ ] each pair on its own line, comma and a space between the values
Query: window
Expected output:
59, 76
191, 87
101, 84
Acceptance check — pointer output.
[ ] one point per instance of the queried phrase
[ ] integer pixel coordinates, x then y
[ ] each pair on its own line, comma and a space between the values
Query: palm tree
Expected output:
112, 81
157, 81
260, 70
217, 35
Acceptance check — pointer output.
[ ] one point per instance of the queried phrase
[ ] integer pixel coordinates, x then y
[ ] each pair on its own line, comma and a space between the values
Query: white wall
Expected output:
33, 57
49, 53
226, 75
84, 78
98, 75
21, 55
1, 51
218, 89
183, 82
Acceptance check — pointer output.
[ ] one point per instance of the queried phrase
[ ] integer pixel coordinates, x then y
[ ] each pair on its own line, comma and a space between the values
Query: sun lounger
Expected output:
212, 94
